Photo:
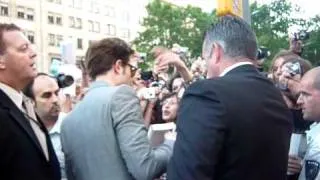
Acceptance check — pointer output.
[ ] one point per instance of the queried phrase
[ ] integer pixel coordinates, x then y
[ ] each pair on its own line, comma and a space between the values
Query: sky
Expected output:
308, 6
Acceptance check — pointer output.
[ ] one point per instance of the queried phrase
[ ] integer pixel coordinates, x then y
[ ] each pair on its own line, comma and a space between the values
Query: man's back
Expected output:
241, 130
89, 141
102, 140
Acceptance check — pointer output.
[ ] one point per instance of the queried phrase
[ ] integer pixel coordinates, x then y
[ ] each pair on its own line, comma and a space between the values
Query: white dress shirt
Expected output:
13, 94
54, 134
228, 69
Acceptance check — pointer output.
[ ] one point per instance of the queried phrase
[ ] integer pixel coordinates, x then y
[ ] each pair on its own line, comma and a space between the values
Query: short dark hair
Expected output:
4, 27
170, 82
28, 90
170, 95
102, 54
234, 35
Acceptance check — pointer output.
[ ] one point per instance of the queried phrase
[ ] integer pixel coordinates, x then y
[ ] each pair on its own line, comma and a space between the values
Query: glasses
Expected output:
133, 69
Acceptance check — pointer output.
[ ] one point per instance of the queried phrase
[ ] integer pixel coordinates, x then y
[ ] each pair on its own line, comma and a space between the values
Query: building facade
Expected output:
49, 23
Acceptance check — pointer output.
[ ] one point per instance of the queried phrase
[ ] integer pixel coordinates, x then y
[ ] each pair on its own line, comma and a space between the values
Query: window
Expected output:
51, 40
96, 27
125, 33
78, 23
30, 14
51, 19
59, 20
75, 22
4, 11
20, 12
59, 40
109, 11
55, 1
30, 36
72, 22
75, 4
111, 29
79, 43
125, 16
94, 6
90, 26
30, 17
54, 18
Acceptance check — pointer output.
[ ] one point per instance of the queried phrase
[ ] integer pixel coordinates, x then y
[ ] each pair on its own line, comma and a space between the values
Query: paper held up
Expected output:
156, 133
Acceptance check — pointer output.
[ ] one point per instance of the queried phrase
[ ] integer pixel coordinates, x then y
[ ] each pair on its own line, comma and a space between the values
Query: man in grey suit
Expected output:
104, 136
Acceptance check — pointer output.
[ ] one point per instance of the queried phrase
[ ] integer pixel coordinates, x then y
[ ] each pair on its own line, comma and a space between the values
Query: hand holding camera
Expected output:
291, 71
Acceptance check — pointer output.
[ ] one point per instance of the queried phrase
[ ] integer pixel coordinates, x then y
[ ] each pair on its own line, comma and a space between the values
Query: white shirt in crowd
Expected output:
311, 161
54, 134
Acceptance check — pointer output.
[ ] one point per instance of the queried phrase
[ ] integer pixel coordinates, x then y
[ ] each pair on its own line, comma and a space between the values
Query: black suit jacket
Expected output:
235, 127
21, 156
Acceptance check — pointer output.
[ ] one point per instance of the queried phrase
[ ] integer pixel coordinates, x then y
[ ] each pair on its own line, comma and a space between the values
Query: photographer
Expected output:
296, 43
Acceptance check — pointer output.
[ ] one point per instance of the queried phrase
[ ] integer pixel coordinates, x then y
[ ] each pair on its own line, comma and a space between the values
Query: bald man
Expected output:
309, 100
44, 91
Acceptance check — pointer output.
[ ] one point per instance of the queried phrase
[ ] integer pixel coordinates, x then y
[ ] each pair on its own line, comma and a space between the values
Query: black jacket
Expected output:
235, 127
21, 156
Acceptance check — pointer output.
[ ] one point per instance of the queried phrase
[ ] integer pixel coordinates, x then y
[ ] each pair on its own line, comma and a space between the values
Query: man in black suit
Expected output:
26, 151
234, 125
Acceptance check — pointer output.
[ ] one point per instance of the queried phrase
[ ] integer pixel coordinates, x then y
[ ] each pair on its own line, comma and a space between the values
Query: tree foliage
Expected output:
272, 21
167, 24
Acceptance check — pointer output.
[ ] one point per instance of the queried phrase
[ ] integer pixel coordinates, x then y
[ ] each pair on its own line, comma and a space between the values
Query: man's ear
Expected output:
2, 62
117, 67
217, 52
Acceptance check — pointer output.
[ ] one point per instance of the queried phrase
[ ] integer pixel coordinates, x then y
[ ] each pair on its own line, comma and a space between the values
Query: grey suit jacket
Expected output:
104, 138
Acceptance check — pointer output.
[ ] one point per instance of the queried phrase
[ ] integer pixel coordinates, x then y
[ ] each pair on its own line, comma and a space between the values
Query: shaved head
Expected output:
309, 98
314, 75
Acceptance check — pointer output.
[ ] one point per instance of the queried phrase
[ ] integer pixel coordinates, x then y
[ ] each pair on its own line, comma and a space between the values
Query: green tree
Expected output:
271, 23
312, 45
167, 24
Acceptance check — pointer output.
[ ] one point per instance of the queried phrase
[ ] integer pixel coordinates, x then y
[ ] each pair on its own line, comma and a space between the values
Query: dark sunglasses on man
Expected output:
133, 69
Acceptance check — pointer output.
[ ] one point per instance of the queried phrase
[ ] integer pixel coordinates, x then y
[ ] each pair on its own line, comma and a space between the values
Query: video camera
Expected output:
262, 53
301, 35
64, 80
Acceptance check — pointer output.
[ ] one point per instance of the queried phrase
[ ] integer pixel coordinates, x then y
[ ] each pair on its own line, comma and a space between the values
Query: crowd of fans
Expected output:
158, 92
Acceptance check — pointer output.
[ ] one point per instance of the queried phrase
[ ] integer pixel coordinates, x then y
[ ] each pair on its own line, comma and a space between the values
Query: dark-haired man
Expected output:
235, 124
104, 136
44, 91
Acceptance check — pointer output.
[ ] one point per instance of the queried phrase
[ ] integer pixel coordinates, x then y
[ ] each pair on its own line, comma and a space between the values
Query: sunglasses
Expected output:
133, 69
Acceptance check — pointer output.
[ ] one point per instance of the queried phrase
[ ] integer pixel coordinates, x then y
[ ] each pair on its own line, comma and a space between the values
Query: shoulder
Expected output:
124, 94
123, 91
205, 87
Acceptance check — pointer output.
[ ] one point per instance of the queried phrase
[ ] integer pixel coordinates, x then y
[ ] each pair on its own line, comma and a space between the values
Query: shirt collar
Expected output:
228, 69
57, 126
13, 94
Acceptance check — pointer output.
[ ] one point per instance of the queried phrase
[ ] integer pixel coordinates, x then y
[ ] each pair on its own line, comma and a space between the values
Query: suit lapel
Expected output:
19, 117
